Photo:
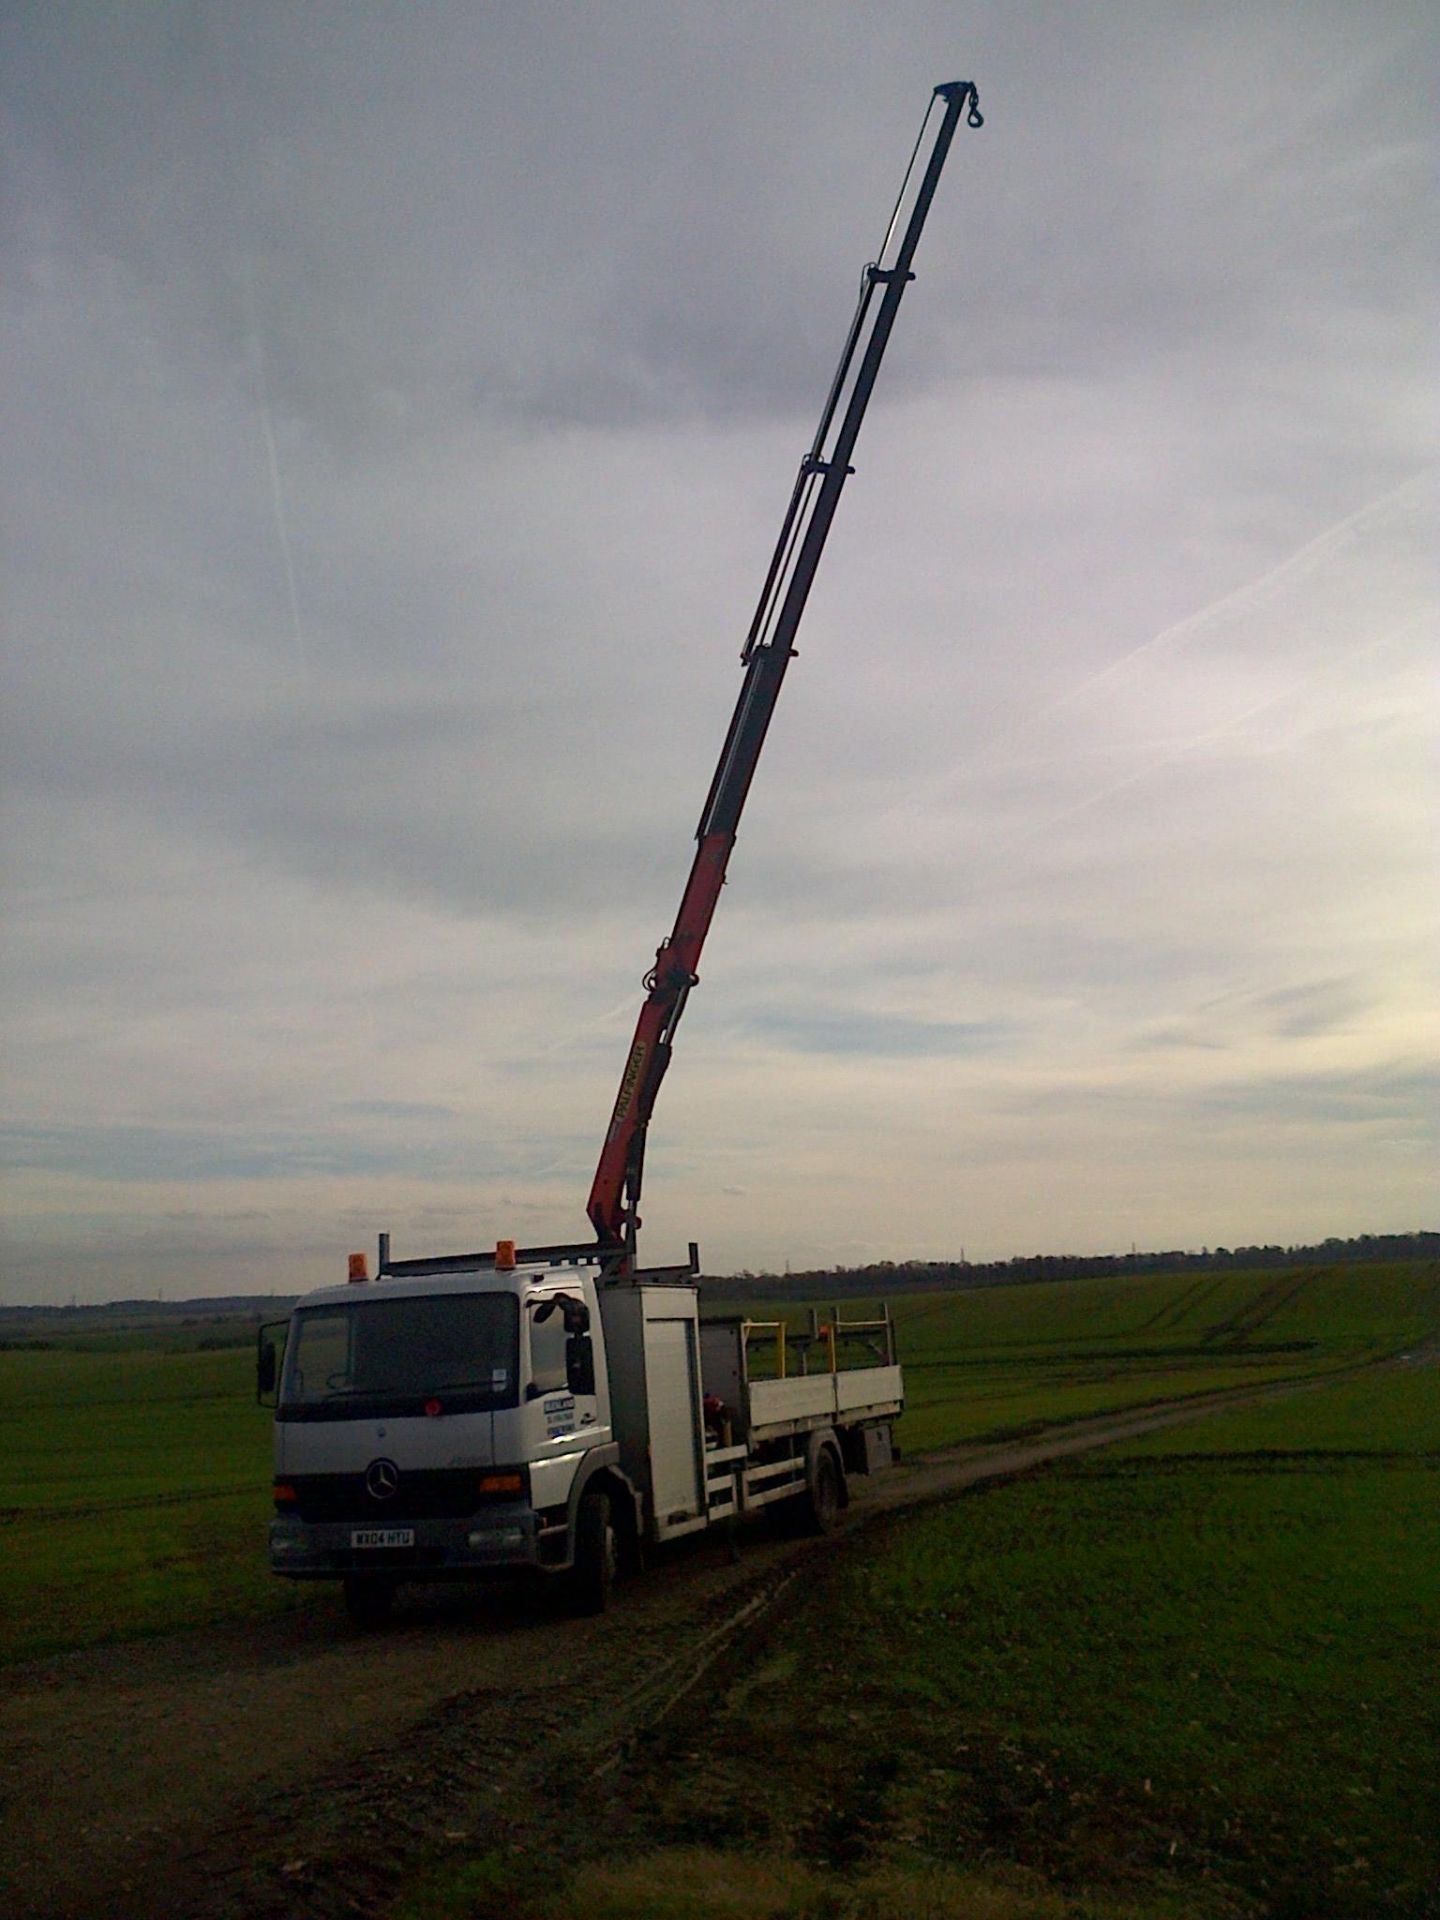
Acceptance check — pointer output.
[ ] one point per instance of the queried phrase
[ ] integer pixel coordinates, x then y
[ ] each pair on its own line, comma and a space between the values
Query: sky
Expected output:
401, 404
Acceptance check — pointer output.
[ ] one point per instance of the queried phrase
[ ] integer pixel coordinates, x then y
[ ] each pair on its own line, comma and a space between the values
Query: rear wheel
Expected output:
823, 1495
368, 1599
597, 1553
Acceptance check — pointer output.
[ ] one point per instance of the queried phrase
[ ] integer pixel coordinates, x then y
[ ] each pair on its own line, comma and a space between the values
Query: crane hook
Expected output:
964, 89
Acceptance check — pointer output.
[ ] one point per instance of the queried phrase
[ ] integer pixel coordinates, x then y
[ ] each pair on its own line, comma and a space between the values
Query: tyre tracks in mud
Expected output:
297, 1769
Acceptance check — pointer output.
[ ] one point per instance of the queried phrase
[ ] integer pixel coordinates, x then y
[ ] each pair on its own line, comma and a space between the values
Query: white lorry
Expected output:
521, 1411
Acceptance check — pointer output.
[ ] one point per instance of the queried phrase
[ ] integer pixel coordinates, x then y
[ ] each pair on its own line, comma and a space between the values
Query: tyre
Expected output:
368, 1600
824, 1496
597, 1553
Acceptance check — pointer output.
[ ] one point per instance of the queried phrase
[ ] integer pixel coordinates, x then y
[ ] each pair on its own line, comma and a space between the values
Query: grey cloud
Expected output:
1158, 1039
194, 1215
1321, 1006
402, 266
398, 261
1400, 1095
1306, 1011
126, 1153
1396, 1095
880, 1035
398, 1110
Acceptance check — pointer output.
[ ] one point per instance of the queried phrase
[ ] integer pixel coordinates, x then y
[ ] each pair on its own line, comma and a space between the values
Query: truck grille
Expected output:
437, 1495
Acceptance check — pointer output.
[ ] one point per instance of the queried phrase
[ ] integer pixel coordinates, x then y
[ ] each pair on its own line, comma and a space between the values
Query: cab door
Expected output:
567, 1402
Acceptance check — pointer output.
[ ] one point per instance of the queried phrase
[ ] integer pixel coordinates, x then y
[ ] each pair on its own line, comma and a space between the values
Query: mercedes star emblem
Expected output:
382, 1477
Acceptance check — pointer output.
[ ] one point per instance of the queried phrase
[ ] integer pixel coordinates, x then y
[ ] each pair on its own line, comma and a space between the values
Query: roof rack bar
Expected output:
580, 1254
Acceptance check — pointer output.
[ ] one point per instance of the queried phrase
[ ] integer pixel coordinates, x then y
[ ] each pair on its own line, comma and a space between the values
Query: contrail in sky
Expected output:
1254, 593
1241, 599
256, 342
1152, 766
1204, 738
277, 488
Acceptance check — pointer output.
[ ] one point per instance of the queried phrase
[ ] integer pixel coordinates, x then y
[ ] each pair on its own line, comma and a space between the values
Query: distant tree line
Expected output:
26, 1327
253, 1308
919, 1276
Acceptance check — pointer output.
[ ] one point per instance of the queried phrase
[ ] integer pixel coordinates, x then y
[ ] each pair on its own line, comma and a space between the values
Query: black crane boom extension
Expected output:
769, 648
812, 508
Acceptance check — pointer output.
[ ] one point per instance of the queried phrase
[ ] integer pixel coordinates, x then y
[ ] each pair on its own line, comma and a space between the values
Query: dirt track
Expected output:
297, 1768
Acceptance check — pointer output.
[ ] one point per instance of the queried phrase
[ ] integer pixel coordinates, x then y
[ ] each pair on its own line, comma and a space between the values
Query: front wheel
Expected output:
597, 1553
368, 1600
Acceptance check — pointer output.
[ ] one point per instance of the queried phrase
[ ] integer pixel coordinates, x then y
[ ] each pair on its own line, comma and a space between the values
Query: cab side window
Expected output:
547, 1355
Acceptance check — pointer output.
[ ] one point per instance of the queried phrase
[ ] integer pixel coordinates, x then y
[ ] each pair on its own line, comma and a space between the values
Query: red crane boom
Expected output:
615, 1193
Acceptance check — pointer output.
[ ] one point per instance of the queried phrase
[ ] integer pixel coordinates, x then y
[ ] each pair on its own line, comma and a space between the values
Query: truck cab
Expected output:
442, 1426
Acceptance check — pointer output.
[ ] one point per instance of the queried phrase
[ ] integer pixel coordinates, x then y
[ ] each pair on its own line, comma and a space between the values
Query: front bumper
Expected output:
500, 1538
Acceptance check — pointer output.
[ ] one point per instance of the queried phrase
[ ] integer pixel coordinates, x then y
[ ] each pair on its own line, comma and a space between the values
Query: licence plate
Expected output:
383, 1537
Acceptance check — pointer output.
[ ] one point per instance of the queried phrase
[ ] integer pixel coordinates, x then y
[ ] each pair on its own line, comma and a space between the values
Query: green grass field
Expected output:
1003, 1361
1229, 1630
1191, 1676
135, 1477
134, 1495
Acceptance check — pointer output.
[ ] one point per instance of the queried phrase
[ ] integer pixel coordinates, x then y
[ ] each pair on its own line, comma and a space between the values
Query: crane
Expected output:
769, 647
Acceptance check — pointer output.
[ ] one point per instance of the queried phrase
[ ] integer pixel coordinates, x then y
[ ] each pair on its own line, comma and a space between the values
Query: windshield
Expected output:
401, 1356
